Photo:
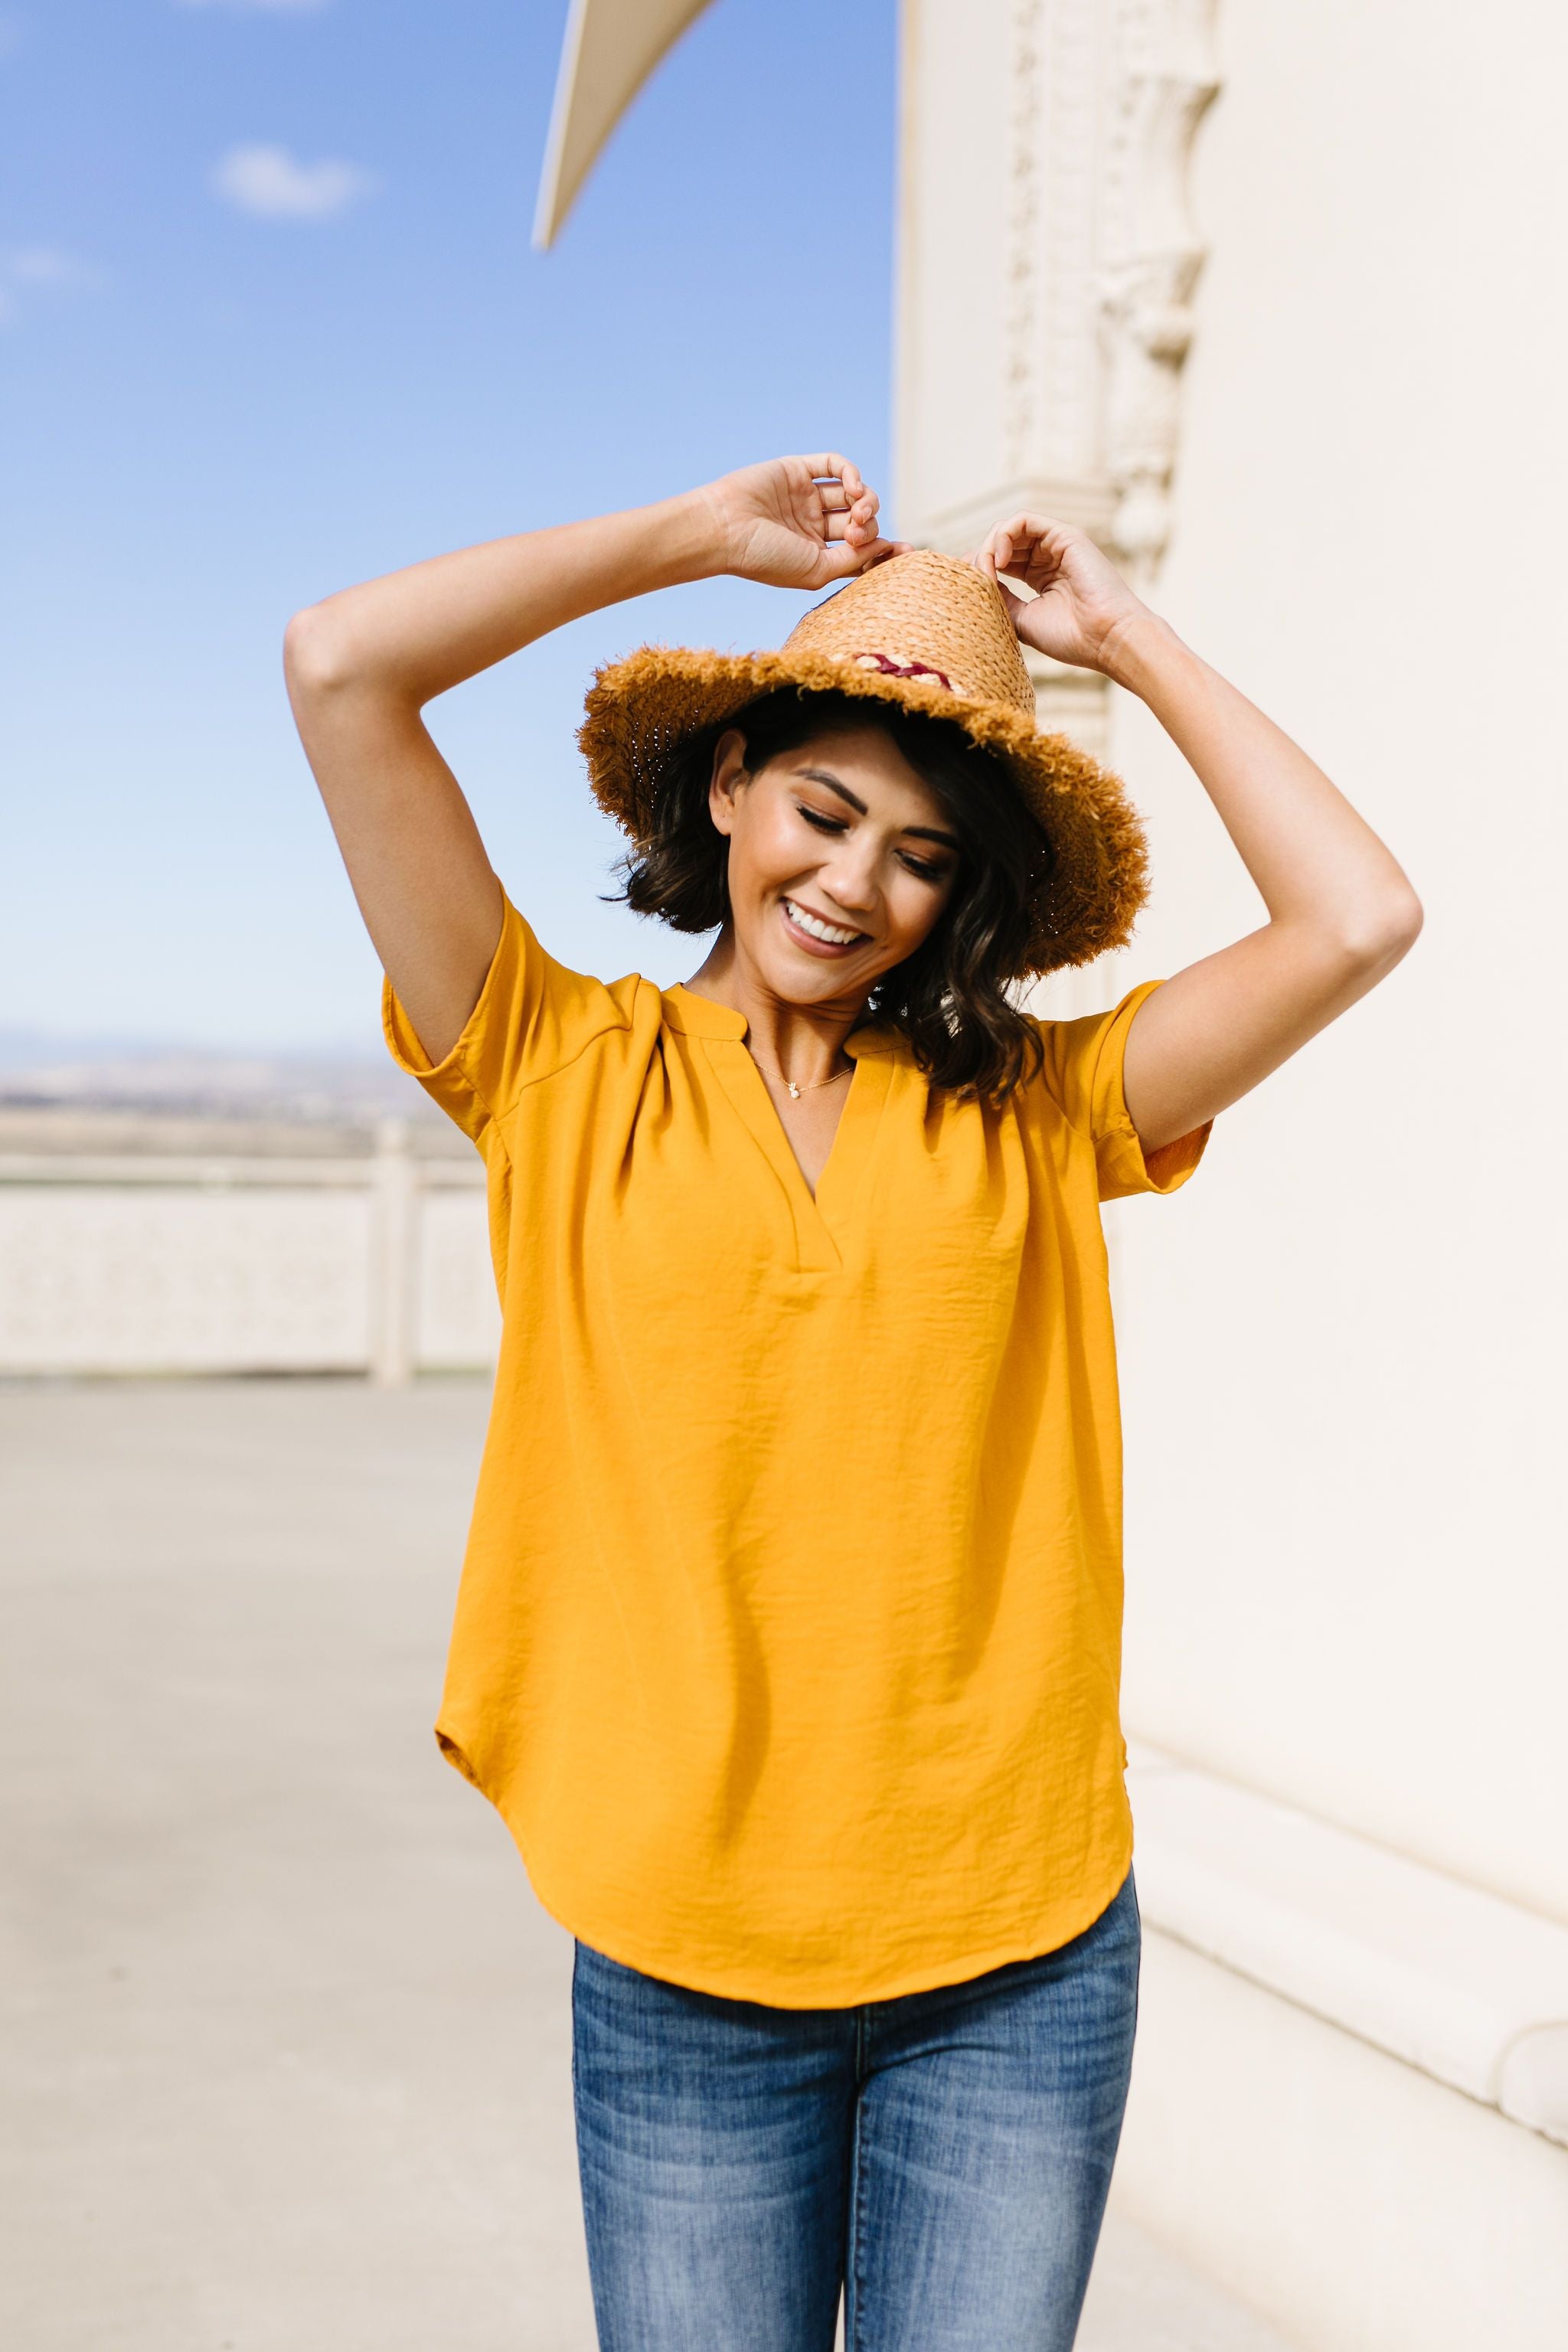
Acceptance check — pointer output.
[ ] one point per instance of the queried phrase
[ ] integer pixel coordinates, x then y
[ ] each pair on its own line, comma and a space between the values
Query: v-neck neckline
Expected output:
823, 1216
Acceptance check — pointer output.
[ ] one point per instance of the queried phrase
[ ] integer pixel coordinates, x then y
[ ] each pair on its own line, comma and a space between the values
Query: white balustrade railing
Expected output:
145, 1262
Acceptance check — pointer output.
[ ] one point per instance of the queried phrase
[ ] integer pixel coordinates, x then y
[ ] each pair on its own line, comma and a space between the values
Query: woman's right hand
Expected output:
796, 522
361, 665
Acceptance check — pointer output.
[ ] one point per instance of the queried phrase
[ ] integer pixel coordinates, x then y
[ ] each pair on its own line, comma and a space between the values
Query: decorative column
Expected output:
1047, 261
1163, 82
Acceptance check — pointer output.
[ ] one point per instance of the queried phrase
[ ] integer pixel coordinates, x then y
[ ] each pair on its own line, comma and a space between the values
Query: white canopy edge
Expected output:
611, 48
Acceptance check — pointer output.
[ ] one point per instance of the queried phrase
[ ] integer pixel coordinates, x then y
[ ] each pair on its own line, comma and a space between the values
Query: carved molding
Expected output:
1165, 79
1101, 258
1102, 101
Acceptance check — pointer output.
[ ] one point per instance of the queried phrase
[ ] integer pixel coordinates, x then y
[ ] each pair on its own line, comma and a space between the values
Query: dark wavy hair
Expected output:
950, 997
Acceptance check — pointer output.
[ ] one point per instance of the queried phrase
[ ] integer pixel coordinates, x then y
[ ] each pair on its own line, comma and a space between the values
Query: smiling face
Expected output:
841, 859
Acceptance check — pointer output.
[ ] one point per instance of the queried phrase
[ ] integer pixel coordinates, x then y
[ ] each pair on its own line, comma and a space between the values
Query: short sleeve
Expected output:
533, 1017
1083, 1072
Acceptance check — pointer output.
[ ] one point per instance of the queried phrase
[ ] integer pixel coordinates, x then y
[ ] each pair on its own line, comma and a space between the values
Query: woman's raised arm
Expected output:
1342, 911
362, 665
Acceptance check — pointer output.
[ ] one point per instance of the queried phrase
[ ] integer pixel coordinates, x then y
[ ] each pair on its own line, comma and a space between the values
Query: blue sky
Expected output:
269, 323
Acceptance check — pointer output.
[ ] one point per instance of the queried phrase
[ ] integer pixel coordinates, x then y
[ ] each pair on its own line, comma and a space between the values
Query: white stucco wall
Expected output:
1353, 2200
953, 263
1341, 1344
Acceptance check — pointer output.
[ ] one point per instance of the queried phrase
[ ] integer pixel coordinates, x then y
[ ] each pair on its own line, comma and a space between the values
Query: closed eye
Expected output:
835, 824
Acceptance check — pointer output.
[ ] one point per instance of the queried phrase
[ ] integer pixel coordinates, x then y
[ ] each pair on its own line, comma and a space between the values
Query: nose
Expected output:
847, 876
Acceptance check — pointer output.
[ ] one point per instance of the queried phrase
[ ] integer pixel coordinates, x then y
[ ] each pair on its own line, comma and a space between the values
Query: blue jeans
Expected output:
944, 2157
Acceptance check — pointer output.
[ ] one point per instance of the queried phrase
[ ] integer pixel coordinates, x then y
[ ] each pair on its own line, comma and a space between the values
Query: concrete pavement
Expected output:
286, 2035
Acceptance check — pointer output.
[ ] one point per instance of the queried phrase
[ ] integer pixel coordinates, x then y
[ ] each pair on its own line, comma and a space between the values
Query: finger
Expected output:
857, 524
829, 466
1016, 606
1030, 549
1024, 529
844, 563
856, 515
1036, 532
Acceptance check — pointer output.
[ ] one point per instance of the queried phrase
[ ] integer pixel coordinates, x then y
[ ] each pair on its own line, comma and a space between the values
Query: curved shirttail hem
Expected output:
924, 1979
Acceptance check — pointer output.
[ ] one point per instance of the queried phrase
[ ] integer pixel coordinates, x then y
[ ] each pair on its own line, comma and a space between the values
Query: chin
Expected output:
801, 980
795, 980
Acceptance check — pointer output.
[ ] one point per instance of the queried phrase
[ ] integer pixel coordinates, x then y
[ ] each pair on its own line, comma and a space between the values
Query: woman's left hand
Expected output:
1081, 603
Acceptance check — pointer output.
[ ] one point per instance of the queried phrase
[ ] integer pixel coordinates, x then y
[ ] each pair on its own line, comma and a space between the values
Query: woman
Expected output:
788, 1638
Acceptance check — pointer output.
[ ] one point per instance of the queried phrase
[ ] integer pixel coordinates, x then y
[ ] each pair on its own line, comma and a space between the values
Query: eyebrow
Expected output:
924, 832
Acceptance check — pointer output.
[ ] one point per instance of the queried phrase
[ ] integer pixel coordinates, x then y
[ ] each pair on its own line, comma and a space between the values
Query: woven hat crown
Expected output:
923, 616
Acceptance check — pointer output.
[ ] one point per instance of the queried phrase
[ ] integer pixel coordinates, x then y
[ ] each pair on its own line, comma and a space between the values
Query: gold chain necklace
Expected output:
795, 1090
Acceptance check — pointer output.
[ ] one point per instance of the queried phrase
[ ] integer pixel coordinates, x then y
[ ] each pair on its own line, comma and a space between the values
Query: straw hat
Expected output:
931, 633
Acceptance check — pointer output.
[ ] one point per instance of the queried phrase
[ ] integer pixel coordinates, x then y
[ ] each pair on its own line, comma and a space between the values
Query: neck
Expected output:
803, 1043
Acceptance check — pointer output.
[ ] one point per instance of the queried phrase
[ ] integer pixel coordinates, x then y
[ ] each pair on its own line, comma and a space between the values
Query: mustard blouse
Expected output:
788, 1638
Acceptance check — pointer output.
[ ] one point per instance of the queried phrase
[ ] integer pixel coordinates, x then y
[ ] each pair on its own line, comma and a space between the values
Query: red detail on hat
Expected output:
906, 669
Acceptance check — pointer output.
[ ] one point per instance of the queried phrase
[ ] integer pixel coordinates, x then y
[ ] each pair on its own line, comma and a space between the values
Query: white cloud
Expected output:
274, 186
40, 266
44, 264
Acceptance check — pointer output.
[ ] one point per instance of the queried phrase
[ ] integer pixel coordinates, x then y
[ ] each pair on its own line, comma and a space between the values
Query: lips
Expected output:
814, 930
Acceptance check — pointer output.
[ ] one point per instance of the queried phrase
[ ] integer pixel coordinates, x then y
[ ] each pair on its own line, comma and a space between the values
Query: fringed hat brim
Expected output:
641, 709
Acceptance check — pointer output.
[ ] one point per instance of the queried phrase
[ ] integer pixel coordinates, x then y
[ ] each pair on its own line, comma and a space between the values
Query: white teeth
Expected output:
819, 929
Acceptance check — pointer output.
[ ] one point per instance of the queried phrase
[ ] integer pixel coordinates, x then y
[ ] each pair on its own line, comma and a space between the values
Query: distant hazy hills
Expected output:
38, 1071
